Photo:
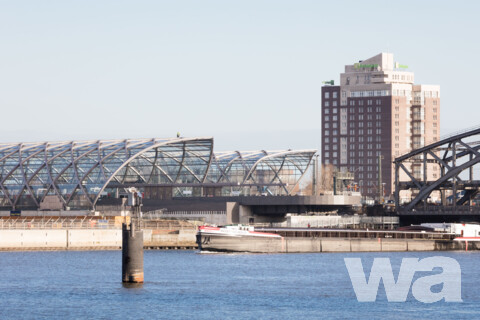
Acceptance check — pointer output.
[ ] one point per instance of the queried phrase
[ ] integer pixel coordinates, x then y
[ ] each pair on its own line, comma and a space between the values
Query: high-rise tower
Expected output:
377, 112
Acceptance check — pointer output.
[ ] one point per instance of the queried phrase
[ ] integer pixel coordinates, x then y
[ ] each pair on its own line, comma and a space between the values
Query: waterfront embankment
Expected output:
90, 234
77, 239
82, 233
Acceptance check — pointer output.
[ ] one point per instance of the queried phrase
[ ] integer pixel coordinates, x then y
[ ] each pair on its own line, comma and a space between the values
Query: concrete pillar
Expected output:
245, 213
132, 254
232, 212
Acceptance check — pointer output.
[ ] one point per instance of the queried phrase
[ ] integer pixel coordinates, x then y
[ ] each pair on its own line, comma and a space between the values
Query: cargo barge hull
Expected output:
321, 240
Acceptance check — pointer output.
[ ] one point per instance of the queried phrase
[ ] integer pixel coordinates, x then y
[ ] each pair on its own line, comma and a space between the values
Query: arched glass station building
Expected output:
76, 174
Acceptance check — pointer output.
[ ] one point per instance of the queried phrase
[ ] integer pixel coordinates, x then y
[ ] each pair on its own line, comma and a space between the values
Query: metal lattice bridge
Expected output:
441, 178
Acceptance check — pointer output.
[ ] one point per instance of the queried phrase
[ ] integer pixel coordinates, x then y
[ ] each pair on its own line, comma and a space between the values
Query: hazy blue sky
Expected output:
248, 73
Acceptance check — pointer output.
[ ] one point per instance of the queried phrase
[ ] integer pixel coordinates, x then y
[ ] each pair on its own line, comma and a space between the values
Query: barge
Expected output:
290, 240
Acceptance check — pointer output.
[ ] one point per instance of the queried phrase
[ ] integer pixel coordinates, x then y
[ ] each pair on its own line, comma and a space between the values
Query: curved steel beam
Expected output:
156, 145
438, 144
425, 191
279, 154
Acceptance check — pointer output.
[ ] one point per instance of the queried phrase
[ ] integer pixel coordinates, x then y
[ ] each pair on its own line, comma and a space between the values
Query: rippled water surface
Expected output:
189, 285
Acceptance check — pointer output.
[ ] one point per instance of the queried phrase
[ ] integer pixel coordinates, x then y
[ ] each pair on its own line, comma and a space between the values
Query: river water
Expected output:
190, 285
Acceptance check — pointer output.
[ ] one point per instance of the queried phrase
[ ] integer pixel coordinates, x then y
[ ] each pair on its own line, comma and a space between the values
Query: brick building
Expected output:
377, 112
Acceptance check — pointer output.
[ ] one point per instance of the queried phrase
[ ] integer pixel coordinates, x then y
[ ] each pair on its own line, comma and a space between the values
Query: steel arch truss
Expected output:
259, 172
453, 161
78, 172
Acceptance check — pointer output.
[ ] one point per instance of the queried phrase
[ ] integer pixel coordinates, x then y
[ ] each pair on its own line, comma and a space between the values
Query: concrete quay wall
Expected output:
167, 238
98, 239
18, 239
88, 239
78, 238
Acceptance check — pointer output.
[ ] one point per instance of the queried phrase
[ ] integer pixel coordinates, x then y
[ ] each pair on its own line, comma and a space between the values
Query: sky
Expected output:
248, 73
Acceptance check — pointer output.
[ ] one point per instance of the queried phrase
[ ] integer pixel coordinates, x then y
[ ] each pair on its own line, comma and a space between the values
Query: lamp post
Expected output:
383, 192
380, 185
315, 176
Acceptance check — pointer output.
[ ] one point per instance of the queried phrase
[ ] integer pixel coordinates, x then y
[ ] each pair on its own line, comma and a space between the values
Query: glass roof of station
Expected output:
277, 172
78, 173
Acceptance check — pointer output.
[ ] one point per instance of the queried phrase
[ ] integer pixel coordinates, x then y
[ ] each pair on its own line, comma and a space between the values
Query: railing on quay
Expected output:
357, 234
439, 210
57, 223
87, 223
163, 213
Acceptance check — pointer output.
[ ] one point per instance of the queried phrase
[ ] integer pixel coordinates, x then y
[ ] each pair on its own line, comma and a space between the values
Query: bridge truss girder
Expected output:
453, 156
